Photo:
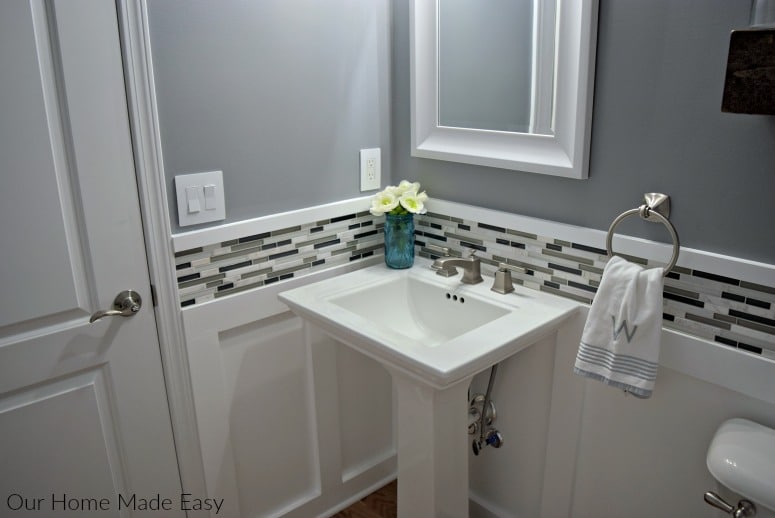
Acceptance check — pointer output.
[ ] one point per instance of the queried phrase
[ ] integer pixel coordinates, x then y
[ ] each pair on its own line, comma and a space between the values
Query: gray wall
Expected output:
280, 95
657, 126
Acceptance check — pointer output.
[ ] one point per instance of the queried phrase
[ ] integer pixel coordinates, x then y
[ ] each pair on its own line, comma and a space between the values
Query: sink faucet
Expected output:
446, 267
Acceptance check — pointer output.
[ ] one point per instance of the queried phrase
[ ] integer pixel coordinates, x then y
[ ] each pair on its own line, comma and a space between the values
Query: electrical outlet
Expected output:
371, 169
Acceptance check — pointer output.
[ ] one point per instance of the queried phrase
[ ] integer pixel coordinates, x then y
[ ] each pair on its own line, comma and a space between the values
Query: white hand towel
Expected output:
621, 338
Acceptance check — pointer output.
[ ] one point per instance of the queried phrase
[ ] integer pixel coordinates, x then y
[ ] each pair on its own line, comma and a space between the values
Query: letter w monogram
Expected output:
624, 326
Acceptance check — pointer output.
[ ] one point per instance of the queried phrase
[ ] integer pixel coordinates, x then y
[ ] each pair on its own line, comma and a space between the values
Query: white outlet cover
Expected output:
215, 207
371, 178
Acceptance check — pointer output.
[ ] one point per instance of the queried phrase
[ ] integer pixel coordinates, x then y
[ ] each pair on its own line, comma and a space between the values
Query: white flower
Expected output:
383, 202
399, 199
403, 187
406, 186
414, 202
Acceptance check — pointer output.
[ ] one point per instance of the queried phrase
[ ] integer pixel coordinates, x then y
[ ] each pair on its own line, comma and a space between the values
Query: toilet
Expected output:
741, 456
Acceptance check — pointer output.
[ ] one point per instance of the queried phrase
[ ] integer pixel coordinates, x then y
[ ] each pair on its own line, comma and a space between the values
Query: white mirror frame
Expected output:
564, 153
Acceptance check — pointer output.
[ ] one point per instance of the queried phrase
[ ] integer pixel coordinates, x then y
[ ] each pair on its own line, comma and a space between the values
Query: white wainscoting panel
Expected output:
522, 394
612, 455
639, 457
268, 384
365, 392
290, 423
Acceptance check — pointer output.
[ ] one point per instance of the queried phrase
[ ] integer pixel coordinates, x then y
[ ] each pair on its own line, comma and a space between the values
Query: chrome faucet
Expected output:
471, 265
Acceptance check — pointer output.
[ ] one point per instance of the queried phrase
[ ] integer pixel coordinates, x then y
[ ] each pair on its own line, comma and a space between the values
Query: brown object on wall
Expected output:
750, 80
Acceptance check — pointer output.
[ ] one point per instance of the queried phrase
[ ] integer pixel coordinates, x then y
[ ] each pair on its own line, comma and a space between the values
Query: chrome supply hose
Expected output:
487, 394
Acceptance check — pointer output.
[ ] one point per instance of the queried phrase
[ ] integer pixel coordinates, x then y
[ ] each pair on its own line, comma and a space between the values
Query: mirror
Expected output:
486, 57
504, 83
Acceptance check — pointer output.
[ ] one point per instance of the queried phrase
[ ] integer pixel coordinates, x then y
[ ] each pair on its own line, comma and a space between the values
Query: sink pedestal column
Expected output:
432, 448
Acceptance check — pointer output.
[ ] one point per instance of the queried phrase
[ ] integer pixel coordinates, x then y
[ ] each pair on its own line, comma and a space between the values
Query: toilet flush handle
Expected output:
744, 509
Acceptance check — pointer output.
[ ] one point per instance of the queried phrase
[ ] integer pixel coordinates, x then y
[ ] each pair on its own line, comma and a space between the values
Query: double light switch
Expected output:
200, 198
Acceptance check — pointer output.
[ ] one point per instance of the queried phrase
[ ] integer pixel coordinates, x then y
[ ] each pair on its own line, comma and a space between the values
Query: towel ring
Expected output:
648, 211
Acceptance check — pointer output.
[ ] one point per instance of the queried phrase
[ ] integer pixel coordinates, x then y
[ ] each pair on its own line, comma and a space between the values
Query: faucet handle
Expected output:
502, 283
438, 265
443, 249
505, 267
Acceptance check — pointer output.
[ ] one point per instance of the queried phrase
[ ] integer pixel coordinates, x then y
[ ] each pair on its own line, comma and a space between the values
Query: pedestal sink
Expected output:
433, 334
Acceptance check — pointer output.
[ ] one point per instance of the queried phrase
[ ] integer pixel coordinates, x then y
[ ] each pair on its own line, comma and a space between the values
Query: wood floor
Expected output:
379, 504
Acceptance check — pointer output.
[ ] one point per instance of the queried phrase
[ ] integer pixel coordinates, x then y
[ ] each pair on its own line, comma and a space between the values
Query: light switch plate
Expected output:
211, 208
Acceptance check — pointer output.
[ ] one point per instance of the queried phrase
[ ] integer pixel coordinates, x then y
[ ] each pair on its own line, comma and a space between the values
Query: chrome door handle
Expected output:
126, 304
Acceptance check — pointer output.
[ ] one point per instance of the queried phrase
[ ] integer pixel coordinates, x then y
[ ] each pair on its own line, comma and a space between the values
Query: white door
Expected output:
84, 423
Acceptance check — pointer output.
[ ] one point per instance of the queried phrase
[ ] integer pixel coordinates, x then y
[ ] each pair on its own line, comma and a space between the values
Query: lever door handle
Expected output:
126, 304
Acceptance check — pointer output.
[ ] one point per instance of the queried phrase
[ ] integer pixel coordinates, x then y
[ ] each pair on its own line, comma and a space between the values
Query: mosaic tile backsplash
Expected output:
222, 269
728, 311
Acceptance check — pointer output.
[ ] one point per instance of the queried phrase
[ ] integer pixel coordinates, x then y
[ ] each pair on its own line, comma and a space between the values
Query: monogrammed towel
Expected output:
621, 338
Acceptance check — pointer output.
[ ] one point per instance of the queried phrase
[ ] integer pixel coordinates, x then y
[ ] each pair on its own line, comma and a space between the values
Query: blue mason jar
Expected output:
399, 240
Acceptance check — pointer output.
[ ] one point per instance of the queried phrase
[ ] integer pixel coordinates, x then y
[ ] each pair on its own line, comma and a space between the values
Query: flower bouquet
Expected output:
399, 204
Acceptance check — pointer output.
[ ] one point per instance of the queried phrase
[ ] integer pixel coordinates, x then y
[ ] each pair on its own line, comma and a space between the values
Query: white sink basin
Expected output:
433, 328
417, 310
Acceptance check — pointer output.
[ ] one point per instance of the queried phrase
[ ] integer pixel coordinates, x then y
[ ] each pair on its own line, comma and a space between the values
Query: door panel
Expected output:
42, 259
59, 425
83, 407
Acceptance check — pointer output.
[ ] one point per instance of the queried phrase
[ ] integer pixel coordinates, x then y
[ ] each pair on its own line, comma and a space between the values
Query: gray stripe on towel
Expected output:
614, 362
625, 358
622, 365
635, 391
613, 371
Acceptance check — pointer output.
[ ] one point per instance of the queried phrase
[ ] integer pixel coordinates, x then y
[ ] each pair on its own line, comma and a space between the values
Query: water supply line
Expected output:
493, 437
487, 395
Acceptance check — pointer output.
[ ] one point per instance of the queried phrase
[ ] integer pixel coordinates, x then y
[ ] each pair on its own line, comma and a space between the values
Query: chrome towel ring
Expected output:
656, 209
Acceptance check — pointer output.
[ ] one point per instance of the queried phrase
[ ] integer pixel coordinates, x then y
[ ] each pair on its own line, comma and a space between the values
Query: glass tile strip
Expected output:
704, 304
